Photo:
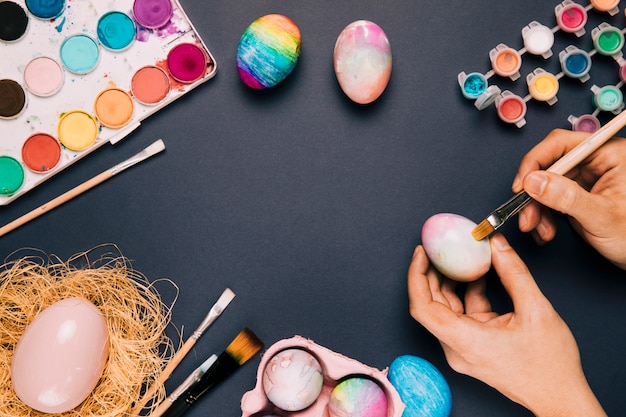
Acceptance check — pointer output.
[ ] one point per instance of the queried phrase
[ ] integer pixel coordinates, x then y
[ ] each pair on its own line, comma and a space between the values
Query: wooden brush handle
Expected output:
162, 408
589, 145
63, 198
164, 375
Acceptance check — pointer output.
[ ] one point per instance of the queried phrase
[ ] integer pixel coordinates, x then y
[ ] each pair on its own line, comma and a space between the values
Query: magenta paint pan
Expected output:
187, 62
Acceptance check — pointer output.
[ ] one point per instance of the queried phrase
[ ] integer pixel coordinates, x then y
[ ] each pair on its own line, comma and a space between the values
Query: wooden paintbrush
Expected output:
561, 167
243, 347
217, 309
151, 150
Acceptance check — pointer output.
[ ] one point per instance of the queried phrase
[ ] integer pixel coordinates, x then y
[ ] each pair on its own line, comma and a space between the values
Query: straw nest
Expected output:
135, 314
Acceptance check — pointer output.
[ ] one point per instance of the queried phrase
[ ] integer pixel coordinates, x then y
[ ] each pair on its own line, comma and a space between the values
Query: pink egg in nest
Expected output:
449, 244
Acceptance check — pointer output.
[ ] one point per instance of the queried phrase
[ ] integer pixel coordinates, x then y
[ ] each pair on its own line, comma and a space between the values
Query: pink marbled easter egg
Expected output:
292, 379
451, 248
362, 60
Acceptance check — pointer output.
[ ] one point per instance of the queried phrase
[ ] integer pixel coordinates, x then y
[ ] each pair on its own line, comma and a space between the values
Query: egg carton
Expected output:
335, 368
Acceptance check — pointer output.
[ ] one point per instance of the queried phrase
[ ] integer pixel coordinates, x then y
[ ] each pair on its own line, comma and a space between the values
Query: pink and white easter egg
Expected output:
451, 248
362, 61
357, 397
61, 355
292, 379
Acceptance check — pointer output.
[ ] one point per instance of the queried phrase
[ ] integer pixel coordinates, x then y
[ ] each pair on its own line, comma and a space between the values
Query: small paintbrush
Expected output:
151, 150
243, 347
192, 379
568, 161
217, 309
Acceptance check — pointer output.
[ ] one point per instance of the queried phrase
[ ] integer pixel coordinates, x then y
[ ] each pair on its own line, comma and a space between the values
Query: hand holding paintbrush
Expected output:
562, 166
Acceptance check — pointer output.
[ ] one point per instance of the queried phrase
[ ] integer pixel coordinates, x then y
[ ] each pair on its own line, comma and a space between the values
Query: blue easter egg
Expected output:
421, 386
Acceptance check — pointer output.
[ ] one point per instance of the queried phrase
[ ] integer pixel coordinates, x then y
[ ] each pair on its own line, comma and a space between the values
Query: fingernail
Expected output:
417, 250
499, 242
523, 220
535, 183
516, 183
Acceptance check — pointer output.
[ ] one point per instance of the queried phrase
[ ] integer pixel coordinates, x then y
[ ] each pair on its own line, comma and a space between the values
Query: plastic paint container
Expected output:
152, 14
488, 97
472, 85
622, 72
511, 108
571, 17
80, 53
13, 101
11, 175
543, 86
150, 85
41, 152
608, 98
585, 123
43, 76
610, 6
46, 9
575, 63
505, 61
114, 107
116, 31
13, 21
538, 39
77, 130
187, 62
607, 39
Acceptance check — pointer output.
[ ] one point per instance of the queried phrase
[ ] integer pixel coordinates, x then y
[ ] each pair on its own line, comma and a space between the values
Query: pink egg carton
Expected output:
335, 368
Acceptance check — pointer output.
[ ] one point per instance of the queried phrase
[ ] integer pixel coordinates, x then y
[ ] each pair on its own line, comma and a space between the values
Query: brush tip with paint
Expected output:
482, 230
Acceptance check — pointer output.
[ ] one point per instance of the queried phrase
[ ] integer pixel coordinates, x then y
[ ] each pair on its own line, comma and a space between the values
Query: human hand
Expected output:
529, 354
593, 194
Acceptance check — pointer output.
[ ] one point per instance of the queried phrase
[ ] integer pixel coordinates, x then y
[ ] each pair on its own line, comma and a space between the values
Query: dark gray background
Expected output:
309, 206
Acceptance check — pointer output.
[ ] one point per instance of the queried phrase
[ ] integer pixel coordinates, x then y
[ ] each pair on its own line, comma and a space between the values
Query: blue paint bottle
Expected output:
575, 63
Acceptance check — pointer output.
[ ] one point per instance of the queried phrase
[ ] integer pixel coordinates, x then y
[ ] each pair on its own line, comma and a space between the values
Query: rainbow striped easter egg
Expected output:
268, 51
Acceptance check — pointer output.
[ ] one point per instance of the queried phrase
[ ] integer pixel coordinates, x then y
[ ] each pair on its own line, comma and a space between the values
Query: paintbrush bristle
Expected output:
482, 230
225, 299
244, 346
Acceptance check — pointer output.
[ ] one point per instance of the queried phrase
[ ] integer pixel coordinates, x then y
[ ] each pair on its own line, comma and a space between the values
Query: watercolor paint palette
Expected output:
335, 369
77, 74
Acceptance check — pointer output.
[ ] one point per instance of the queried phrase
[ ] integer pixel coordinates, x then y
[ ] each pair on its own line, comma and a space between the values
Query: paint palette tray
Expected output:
335, 369
542, 84
78, 74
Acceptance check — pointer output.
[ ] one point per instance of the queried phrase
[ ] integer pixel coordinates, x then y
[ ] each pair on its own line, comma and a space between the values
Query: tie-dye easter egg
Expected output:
362, 60
268, 51
357, 397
